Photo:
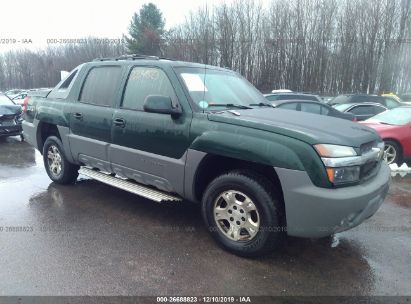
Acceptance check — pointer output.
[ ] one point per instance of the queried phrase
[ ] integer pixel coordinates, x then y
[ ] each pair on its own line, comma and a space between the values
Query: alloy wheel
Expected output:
54, 160
236, 216
390, 153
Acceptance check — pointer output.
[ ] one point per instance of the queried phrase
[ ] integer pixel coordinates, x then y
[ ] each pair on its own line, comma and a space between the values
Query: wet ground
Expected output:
92, 239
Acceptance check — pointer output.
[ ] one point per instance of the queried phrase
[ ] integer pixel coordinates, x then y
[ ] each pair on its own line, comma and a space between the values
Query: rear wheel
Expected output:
392, 152
58, 168
243, 213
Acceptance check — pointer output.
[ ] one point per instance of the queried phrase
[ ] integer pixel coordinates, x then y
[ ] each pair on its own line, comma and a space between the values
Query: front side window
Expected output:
101, 85
145, 81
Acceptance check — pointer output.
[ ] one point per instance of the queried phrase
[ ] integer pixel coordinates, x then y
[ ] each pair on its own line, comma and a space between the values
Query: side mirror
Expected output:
161, 104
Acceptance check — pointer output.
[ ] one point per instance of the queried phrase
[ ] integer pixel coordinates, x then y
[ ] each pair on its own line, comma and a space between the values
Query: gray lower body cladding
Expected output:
317, 212
30, 132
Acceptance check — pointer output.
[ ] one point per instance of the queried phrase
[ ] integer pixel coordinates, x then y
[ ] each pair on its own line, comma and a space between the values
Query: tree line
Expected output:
321, 46
28, 69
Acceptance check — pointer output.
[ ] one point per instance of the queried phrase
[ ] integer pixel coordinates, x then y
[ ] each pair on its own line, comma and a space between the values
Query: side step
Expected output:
141, 190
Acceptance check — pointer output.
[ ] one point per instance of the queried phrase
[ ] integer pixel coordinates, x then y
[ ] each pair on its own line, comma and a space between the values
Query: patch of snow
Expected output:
402, 168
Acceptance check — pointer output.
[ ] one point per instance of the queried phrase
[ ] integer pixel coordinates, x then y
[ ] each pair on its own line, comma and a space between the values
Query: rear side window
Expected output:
378, 110
325, 111
391, 104
294, 96
101, 86
362, 110
288, 106
311, 108
271, 97
306, 97
145, 81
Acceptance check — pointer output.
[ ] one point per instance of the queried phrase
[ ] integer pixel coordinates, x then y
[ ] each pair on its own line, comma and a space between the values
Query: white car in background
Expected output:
281, 91
13, 93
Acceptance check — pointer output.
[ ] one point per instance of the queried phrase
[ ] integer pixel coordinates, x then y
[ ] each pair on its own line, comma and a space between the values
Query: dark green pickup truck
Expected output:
169, 130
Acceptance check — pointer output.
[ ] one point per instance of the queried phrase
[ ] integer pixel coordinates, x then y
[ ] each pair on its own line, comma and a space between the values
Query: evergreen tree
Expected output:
146, 31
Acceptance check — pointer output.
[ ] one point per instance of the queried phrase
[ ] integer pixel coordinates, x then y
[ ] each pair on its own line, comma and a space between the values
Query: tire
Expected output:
244, 186
58, 168
392, 152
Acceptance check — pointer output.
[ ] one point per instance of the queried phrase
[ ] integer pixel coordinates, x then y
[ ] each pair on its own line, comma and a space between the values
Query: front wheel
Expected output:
243, 213
58, 168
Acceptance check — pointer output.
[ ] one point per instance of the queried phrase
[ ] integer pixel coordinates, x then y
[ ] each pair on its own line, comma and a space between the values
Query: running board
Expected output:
141, 190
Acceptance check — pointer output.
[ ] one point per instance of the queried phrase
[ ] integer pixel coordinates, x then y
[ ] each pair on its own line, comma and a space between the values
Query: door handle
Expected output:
78, 116
119, 122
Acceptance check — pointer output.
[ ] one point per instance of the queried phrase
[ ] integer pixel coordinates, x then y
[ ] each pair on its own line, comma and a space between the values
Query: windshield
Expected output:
398, 116
5, 101
342, 107
215, 89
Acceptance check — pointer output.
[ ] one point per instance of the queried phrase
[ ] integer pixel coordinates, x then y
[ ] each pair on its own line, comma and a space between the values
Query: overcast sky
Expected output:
39, 20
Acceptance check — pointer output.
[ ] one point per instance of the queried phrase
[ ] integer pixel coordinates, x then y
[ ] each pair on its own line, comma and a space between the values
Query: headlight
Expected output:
19, 118
340, 163
326, 150
343, 175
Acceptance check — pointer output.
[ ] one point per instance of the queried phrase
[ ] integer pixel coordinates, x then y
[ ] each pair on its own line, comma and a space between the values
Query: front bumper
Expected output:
11, 130
317, 212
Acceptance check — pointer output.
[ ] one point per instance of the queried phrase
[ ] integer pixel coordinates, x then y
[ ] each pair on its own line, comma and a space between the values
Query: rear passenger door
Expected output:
150, 147
91, 116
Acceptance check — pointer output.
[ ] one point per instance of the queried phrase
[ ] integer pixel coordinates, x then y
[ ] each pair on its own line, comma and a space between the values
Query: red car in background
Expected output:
394, 127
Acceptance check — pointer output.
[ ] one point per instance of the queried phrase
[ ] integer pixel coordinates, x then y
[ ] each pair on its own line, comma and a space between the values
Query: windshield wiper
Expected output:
262, 104
230, 105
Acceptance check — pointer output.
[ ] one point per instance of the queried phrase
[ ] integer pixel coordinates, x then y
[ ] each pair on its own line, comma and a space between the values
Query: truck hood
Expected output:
9, 110
310, 128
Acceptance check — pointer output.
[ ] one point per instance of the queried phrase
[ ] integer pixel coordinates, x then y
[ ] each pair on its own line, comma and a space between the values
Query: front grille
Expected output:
368, 170
7, 123
364, 148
